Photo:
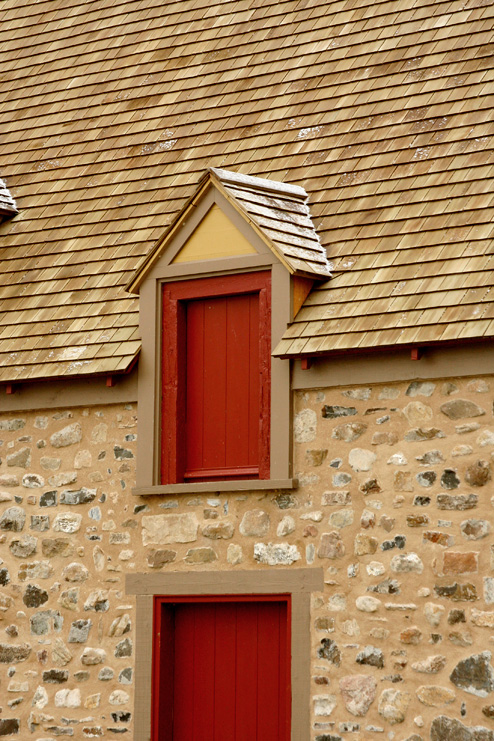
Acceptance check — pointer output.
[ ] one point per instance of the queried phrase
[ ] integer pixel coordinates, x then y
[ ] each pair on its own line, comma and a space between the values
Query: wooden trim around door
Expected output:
298, 583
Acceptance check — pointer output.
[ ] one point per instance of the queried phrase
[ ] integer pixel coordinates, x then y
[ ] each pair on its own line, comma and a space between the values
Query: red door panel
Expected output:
223, 387
230, 675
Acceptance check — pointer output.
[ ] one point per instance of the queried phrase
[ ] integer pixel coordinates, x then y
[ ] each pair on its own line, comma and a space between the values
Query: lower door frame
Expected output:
298, 583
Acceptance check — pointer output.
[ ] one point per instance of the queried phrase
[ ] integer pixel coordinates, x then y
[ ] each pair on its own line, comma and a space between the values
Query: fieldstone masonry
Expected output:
395, 503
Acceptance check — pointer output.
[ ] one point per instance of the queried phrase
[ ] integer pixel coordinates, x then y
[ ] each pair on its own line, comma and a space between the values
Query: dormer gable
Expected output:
8, 207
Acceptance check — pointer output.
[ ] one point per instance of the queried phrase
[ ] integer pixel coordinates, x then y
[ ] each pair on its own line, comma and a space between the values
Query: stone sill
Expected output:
216, 486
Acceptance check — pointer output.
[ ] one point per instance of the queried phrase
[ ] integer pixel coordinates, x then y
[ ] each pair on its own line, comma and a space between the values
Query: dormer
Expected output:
216, 295
8, 207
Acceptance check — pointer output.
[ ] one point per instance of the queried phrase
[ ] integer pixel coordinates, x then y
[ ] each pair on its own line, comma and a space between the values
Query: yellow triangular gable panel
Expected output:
215, 237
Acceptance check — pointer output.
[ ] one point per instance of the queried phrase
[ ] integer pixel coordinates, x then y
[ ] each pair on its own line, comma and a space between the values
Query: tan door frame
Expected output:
299, 583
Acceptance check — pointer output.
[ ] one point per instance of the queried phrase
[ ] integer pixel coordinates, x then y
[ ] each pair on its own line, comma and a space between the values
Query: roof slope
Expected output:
110, 112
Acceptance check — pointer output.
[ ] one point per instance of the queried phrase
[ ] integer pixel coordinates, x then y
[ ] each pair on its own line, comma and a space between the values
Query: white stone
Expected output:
404, 562
67, 436
361, 459
68, 699
118, 697
126, 555
274, 554
255, 523
234, 554
93, 656
40, 698
315, 516
305, 426
367, 604
350, 628
324, 704
98, 558
397, 459
285, 526
83, 459
375, 568
63, 479
67, 522
485, 438
342, 518
99, 432
433, 613
417, 413
163, 529
489, 590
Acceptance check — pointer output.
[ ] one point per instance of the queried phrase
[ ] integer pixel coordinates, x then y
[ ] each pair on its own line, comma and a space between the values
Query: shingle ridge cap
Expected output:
228, 176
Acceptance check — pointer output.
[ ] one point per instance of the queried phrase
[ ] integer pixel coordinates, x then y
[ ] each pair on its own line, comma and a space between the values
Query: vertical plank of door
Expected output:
268, 674
204, 672
254, 432
225, 671
164, 673
246, 673
195, 384
214, 382
184, 702
237, 382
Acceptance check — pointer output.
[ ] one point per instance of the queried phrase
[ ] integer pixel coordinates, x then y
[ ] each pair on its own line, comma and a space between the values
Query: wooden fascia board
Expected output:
152, 258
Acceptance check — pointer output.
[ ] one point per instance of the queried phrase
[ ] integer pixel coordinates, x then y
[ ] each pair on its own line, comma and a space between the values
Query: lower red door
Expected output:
222, 670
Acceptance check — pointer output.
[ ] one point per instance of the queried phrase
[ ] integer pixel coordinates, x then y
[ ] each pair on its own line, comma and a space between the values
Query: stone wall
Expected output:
394, 504
397, 506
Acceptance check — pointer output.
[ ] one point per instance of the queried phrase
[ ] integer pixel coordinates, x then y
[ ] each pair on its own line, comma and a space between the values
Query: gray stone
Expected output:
63, 479
13, 519
457, 592
79, 496
285, 526
435, 696
426, 478
12, 425
218, 531
200, 555
93, 656
4, 577
120, 626
475, 675
123, 649
371, 656
255, 523
24, 547
35, 570
467, 427
97, 601
34, 596
457, 502
11, 653
274, 554
75, 572
20, 459
393, 705
474, 529
419, 434
48, 499
305, 426
349, 432
125, 676
329, 650
79, 631
40, 523
106, 674
60, 653
358, 692
443, 728
158, 558
69, 435
341, 479
406, 562
449, 479
430, 458
42, 622
50, 464
362, 394
51, 547
55, 676
69, 599
9, 480
420, 388
121, 453
335, 411
478, 474
461, 409
417, 413
164, 529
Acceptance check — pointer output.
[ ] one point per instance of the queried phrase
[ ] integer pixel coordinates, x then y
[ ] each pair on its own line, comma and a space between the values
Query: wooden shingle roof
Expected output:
111, 112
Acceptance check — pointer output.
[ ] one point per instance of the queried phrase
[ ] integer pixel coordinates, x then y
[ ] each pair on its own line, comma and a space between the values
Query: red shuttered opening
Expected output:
222, 669
216, 361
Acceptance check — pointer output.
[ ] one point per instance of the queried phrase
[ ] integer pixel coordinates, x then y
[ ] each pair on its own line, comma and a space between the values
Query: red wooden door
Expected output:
223, 387
223, 671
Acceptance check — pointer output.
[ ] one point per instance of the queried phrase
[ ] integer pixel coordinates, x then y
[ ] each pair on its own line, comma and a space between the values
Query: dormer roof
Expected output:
8, 206
278, 212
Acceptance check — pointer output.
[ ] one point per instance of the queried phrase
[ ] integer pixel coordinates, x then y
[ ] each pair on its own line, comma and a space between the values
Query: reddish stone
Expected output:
461, 563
